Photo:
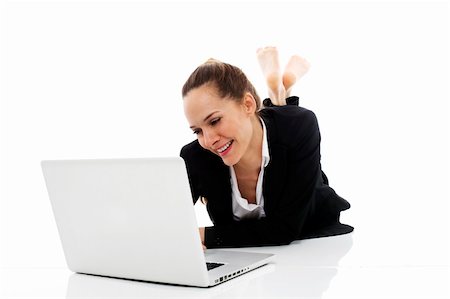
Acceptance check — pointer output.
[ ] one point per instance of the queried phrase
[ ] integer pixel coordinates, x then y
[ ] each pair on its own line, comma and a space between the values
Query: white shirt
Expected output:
241, 208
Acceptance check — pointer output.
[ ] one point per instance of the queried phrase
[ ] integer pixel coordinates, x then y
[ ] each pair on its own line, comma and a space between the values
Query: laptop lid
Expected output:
128, 218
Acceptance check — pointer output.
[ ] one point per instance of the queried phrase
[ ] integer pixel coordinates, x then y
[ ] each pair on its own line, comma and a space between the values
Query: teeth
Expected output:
223, 148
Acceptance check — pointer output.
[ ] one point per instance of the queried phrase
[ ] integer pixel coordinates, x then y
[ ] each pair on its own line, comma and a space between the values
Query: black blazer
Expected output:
298, 202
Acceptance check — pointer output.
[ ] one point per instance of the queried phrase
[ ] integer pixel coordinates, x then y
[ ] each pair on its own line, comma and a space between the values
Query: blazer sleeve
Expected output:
292, 100
287, 220
186, 153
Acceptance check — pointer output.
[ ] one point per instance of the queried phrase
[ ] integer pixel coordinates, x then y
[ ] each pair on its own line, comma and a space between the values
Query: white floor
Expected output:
364, 264
323, 268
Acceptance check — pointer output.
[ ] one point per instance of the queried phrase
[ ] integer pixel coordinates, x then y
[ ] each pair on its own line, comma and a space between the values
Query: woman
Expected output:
257, 170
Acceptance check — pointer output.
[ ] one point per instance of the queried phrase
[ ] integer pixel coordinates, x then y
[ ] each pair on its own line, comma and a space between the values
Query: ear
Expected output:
249, 104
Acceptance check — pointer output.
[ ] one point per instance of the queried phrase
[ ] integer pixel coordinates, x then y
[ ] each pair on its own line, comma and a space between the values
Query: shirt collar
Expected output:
265, 146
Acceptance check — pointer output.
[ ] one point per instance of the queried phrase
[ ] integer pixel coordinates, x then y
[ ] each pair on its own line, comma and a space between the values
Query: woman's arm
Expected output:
193, 178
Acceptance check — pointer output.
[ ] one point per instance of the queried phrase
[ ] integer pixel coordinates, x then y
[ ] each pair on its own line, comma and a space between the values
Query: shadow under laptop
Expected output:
304, 268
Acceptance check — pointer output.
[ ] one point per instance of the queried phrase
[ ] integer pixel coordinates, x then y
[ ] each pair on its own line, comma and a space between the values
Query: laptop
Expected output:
134, 219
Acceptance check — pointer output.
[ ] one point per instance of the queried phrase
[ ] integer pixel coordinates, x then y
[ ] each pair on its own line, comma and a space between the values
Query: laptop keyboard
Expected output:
211, 266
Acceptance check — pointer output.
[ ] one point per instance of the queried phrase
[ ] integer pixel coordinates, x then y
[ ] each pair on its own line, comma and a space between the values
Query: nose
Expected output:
210, 138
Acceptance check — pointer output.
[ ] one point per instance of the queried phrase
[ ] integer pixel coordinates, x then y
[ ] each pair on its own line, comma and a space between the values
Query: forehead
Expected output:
204, 100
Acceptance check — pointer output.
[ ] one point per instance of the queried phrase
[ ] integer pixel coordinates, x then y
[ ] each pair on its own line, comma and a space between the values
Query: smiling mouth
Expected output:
224, 149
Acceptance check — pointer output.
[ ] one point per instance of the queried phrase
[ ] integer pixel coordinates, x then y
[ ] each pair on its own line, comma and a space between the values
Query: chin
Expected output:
230, 161
227, 163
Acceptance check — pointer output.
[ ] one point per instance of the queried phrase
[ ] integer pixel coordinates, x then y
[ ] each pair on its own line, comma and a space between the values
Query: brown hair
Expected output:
229, 80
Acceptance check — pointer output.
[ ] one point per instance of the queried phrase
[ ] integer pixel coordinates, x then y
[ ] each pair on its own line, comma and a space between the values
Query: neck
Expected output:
251, 161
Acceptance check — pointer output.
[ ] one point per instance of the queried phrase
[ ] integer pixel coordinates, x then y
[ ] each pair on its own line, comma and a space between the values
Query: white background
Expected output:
85, 79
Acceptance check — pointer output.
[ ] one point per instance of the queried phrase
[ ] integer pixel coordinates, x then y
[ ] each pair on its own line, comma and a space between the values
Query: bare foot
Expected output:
295, 69
268, 61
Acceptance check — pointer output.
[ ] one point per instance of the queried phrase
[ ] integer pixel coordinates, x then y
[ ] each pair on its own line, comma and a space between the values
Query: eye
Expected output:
215, 121
196, 131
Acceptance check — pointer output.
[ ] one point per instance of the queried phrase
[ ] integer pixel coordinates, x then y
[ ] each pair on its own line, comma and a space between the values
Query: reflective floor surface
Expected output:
333, 267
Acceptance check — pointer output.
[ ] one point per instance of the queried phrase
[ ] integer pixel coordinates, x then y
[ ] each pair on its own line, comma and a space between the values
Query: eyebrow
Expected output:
206, 118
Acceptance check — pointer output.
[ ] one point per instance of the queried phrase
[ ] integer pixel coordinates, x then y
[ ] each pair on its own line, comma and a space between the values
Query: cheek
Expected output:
234, 128
245, 130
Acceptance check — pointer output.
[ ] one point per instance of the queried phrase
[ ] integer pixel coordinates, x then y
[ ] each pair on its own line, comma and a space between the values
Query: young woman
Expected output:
257, 169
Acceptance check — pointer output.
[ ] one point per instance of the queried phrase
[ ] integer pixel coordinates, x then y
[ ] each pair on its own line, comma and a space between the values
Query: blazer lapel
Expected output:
275, 172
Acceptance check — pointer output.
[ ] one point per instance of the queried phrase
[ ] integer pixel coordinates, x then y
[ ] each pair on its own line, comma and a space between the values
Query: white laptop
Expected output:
134, 219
